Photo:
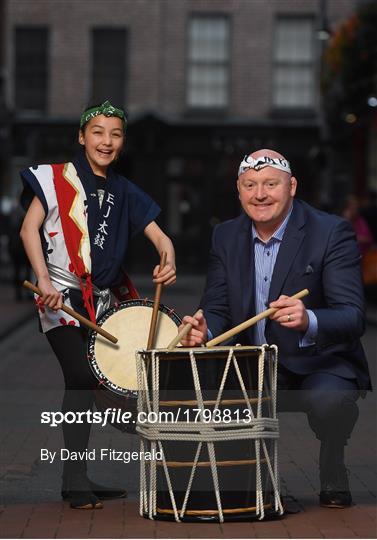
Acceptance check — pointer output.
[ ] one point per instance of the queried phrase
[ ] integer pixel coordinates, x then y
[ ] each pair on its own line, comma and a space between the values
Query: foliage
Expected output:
349, 70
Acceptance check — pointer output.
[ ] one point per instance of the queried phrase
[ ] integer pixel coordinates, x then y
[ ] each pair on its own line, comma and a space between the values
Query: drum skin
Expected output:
114, 365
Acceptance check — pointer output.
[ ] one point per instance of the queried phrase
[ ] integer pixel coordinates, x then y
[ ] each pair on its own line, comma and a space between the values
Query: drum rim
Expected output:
217, 349
118, 306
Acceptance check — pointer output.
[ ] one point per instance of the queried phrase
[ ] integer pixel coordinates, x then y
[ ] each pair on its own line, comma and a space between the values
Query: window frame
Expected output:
297, 110
208, 109
29, 111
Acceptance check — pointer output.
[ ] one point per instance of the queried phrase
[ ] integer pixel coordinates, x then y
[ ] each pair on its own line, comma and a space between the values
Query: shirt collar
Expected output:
278, 234
80, 161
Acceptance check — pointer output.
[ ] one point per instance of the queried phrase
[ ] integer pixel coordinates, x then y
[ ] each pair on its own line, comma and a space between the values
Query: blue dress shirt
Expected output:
265, 254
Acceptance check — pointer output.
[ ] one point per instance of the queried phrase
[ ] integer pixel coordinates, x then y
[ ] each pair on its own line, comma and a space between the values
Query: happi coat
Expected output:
86, 230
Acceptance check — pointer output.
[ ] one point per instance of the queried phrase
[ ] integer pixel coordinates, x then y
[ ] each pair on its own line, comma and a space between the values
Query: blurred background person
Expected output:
351, 211
369, 212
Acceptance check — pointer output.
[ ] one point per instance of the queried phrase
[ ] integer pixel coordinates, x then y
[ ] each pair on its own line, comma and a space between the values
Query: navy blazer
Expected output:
318, 252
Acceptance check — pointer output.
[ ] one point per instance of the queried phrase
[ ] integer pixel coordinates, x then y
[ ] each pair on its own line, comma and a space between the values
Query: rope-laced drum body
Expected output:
211, 416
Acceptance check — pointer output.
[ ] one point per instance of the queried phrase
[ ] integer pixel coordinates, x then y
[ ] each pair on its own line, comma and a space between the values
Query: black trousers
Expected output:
69, 344
328, 400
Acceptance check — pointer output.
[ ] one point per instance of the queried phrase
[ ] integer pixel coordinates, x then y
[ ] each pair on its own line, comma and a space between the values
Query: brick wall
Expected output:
156, 67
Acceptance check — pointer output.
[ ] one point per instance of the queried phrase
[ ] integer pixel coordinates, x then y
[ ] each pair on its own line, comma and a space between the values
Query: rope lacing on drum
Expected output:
209, 432
278, 504
143, 502
258, 472
153, 490
193, 470
210, 446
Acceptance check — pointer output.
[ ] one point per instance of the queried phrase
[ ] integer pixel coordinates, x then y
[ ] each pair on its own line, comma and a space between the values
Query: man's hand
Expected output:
198, 333
291, 313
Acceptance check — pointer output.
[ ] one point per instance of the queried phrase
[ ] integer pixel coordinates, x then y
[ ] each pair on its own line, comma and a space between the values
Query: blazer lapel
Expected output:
245, 255
291, 243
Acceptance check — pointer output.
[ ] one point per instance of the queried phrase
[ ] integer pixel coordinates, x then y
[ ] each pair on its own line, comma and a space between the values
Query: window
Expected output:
108, 65
293, 70
30, 69
208, 62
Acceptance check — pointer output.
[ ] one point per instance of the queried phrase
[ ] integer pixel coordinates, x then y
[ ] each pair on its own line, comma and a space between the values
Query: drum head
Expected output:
115, 364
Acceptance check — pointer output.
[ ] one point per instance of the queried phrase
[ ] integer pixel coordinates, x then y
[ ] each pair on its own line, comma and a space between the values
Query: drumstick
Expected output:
246, 324
73, 313
156, 304
185, 330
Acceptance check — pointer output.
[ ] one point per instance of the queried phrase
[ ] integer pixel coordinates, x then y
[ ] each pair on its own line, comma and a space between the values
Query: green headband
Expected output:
106, 109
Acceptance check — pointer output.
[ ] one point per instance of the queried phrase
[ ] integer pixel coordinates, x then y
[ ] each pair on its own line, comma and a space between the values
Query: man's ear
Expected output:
238, 189
293, 182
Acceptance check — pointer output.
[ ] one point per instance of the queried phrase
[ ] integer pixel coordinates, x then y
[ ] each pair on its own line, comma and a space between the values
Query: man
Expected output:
275, 248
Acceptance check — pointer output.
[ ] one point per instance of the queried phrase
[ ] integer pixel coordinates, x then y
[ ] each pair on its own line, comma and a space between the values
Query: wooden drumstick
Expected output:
185, 330
246, 324
86, 322
156, 305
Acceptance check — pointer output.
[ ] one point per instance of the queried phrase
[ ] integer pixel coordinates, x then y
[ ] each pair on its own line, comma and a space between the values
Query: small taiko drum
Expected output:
207, 418
114, 365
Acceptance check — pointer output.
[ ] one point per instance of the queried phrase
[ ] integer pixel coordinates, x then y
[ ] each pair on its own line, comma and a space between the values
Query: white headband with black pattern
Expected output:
249, 162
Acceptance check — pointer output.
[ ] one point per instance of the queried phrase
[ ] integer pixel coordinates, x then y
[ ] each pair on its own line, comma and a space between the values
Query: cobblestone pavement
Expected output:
30, 507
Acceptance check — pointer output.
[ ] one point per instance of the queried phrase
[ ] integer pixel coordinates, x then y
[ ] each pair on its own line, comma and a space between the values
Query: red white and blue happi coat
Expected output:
81, 236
